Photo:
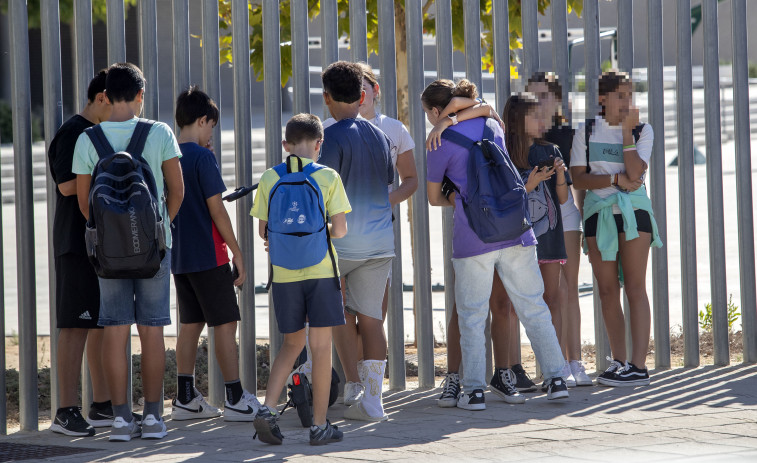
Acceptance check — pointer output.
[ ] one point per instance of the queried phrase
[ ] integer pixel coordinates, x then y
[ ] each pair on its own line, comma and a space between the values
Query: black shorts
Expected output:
77, 292
207, 296
318, 301
643, 223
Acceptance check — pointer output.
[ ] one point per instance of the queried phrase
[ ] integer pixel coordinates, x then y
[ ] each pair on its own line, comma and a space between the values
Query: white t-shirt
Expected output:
400, 140
606, 150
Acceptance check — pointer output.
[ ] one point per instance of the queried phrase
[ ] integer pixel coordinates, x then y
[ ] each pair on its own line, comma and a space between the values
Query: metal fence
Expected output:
148, 23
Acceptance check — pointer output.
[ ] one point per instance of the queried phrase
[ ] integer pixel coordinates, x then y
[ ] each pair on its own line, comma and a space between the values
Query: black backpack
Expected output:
590, 128
496, 202
125, 237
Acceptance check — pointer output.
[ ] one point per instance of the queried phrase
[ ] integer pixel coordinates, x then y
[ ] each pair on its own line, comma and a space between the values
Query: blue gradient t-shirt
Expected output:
361, 154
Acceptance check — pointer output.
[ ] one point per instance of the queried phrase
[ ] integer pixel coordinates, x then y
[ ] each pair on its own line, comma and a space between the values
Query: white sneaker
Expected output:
472, 401
567, 375
353, 393
121, 431
153, 428
579, 373
244, 410
196, 409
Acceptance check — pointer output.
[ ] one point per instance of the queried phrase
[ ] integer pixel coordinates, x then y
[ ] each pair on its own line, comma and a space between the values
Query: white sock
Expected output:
374, 382
361, 372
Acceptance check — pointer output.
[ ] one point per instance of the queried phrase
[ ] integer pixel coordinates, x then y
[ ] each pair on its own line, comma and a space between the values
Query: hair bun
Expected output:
465, 88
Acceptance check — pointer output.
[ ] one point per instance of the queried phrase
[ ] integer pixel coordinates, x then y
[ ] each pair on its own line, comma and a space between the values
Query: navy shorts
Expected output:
319, 302
207, 296
643, 223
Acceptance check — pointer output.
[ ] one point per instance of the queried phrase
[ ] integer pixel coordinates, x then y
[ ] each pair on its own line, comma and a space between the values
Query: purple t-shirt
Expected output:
452, 160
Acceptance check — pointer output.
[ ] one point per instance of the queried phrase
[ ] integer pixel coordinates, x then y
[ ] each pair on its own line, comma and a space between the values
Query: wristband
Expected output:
453, 118
629, 148
614, 180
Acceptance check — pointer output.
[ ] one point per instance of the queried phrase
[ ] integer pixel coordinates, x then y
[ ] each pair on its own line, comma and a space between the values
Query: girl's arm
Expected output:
583, 180
457, 104
408, 178
536, 176
436, 197
562, 181
635, 166
434, 138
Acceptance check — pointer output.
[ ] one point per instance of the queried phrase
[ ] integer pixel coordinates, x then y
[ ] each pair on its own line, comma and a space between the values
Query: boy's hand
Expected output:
239, 266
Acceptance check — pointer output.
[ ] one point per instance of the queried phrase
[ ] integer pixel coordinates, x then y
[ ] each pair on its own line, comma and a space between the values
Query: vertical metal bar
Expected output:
445, 70
22, 153
625, 64
591, 50
358, 31
116, 31
53, 107
529, 19
83, 72
211, 82
329, 44
272, 64
3, 405
395, 316
300, 58
501, 33
83, 56
148, 55
180, 52
560, 50
421, 249
472, 36
686, 184
656, 102
744, 182
240, 44
715, 184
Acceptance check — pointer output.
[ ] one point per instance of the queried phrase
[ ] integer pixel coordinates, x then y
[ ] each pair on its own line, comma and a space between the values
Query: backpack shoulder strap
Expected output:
458, 139
588, 129
637, 132
99, 141
280, 169
139, 137
489, 130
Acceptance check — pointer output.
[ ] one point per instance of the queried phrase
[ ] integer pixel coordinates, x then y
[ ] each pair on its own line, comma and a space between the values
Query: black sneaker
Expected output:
320, 436
609, 374
266, 427
450, 391
522, 381
502, 385
472, 401
557, 388
628, 375
69, 421
103, 417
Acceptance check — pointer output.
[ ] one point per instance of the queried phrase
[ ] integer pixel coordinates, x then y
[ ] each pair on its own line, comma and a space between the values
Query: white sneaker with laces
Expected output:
353, 393
567, 374
579, 373
244, 410
121, 431
196, 409
153, 428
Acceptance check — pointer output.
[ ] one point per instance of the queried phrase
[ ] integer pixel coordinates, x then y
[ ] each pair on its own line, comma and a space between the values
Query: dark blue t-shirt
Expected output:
361, 154
197, 245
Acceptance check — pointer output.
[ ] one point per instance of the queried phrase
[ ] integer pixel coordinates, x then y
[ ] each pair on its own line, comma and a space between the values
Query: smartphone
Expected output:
548, 163
235, 274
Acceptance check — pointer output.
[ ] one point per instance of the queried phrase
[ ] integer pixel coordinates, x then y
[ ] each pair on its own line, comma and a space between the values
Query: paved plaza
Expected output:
704, 414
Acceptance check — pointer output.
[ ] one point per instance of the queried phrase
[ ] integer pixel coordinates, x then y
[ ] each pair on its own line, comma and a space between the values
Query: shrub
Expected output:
705, 316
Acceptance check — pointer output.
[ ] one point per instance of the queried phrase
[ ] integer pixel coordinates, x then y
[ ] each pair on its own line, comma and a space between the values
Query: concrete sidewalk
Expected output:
703, 414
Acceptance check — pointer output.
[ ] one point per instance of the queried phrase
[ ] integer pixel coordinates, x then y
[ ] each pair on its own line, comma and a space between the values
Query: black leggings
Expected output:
643, 223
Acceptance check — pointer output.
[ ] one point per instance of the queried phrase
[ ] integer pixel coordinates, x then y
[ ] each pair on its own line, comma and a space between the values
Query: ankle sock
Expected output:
186, 388
316, 427
374, 382
234, 391
123, 411
102, 405
152, 408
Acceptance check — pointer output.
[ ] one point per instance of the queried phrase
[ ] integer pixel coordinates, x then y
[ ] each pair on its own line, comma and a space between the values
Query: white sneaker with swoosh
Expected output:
244, 410
196, 409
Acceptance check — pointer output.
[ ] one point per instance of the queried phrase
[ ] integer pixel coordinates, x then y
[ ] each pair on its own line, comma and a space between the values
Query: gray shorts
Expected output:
365, 283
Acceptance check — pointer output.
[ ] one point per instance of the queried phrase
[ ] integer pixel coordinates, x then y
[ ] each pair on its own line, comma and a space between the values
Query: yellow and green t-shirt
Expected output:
336, 202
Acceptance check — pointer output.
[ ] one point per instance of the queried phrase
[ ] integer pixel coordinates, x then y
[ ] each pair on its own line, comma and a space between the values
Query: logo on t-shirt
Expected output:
607, 152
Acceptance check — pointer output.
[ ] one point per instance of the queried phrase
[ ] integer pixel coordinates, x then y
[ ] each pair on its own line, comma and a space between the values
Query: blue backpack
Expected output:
297, 229
496, 202
124, 235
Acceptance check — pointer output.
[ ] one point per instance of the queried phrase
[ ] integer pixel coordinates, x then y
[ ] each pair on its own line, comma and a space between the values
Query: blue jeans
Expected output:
144, 301
519, 271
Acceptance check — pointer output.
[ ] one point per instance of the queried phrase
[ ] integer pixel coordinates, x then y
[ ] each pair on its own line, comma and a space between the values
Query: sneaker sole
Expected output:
154, 435
238, 418
507, 398
123, 437
61, 430
472, 407
184, 416
100, 423
613, 383
526, 389
446, 403
325, 441
558, 395
264, 432
584, 383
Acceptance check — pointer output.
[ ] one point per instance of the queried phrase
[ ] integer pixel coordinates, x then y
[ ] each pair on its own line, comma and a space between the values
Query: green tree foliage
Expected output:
429, 26
66, 8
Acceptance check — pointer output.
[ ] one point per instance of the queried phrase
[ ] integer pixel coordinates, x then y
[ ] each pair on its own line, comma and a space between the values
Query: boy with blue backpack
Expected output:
132, 166
294, 203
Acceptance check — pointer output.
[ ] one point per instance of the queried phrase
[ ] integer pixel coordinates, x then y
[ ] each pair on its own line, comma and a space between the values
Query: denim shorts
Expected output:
144, 301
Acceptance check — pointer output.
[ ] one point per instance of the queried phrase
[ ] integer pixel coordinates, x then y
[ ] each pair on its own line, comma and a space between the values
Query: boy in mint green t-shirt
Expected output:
309, 294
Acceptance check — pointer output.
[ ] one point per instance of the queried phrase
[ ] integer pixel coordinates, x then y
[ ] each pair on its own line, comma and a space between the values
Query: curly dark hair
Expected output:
343, 81
123, 83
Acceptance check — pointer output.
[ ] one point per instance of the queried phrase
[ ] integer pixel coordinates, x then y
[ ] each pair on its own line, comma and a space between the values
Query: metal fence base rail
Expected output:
394, 41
